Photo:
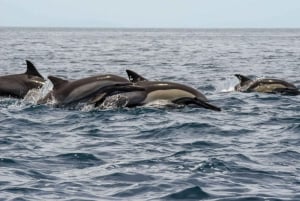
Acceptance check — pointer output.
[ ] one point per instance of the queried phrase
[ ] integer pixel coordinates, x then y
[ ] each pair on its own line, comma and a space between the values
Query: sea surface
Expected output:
249, 152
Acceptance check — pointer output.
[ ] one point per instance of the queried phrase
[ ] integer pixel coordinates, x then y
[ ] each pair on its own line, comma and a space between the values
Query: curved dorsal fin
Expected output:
242, 78
57, 82
134, 77
31, 70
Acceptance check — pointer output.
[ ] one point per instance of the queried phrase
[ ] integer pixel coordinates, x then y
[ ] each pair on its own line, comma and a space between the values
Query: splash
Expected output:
87, 108
115, 101
227, 85
229, 89
34, 95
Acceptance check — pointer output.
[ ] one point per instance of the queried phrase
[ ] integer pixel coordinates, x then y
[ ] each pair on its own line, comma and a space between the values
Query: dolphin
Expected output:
266, 85
17, 85
158, 90
90, 90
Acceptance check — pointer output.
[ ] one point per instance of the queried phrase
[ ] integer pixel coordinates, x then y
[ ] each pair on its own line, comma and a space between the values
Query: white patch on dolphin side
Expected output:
269, 87
168, 94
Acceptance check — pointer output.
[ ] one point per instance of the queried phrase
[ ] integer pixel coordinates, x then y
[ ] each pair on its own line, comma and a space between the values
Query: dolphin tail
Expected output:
198, 102
31, 70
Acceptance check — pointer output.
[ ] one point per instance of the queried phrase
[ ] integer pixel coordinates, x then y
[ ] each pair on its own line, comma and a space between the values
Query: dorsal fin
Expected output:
134, 77
57, 82
31, 70
242, 78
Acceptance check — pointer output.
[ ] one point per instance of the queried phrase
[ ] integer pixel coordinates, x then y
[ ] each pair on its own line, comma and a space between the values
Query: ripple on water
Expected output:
34, 174
202, 144
170, 131
7, 162
125, 177
213, 165
74, 160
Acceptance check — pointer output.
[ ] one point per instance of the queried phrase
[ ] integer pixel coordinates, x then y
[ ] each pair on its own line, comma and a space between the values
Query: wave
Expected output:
191, 193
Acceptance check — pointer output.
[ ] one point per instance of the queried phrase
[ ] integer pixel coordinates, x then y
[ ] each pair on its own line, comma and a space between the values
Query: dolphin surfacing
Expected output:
266, 85
90, 90
160, 90
18, 85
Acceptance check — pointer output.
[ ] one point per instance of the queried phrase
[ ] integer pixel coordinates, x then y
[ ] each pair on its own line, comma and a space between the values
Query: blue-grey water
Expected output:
249, 151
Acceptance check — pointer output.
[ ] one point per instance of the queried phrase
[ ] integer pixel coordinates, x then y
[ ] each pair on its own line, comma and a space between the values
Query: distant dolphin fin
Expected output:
31, 70
196, 101
134, 77
57, 82
242, 78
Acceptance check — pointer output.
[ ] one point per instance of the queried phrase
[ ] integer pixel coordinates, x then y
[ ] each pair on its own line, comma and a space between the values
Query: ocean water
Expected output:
249, 151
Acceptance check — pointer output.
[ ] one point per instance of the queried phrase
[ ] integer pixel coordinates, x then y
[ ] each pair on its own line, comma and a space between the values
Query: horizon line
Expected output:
125, 27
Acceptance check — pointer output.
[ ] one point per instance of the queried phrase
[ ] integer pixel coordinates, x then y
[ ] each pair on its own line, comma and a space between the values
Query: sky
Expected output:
151, 13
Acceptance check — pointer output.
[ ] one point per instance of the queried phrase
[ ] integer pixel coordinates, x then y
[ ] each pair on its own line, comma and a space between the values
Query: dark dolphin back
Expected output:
161, 85
273, 81
279, 86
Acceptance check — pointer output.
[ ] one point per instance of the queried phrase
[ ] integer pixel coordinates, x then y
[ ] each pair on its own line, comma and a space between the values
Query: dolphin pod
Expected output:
94, 90
137, 90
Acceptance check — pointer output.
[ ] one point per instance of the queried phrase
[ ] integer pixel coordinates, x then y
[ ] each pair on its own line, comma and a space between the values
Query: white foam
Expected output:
227, 85
229, 89
87, 108
34, 95
114, 101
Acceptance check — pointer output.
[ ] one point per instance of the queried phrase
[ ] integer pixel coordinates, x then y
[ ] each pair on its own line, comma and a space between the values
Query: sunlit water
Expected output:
249, 151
